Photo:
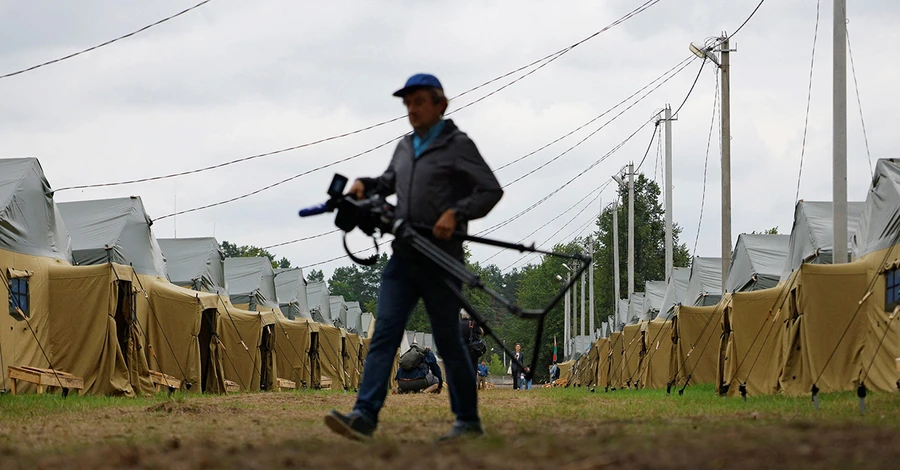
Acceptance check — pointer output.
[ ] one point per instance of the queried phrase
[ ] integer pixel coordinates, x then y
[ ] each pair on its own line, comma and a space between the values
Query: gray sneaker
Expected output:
463, 430
353, 425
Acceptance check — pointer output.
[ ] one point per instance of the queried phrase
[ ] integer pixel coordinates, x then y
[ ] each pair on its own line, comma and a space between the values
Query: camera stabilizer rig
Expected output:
374, 214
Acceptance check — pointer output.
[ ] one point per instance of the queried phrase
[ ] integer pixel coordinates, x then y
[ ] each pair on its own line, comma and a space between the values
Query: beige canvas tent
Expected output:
633, 348
330, 355
698, 331
660, 358
751, 349
616, 355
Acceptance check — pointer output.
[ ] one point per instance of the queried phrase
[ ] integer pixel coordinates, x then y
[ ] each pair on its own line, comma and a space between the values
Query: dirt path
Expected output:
537, 429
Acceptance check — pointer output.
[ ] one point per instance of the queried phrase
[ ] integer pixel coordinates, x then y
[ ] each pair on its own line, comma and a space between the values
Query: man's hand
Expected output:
358, 190
445, 226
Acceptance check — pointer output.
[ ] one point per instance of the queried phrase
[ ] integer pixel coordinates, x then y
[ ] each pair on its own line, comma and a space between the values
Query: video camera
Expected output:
374, 214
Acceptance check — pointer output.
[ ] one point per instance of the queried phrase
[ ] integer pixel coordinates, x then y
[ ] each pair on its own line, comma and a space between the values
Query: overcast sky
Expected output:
234, 78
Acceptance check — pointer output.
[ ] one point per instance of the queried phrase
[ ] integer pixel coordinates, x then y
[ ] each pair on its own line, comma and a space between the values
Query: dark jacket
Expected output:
429, 362
450, 174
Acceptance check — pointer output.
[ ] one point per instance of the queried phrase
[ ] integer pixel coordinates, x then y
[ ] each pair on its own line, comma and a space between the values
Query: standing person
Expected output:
516, 371
440, 180
482, 375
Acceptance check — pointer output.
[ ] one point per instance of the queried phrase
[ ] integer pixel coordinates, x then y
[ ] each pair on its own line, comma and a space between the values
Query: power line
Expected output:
712, 122
666, 76
812, 62
544, 61
577, 144
552, 193
748, 19
300, 239
675, 114
49, 62
683, 62
859, 105
257, 191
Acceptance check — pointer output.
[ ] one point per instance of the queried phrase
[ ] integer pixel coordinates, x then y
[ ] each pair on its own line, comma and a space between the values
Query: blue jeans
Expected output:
403, 283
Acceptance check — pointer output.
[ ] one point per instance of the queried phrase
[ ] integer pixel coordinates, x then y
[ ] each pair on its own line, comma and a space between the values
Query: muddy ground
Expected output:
567, 429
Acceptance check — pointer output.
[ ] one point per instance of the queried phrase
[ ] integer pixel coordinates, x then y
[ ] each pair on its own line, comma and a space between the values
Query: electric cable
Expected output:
859, 105
812, 62
544, 61
49, 62
301, 239
712, 122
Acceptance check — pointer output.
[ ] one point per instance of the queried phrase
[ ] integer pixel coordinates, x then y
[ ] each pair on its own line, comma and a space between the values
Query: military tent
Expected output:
113, 231
676, 289
290, 287
354, 317
705, 286
877, 243
698, 333
812, 235
195, 263
654, 293
319, 302
824, 333
660, 358
338, 308
251, 282
178, 325
757, 262
751, 349
636, 309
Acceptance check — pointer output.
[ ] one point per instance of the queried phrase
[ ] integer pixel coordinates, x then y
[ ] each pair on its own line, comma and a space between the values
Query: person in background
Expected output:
419, 371
516, 371
482, 375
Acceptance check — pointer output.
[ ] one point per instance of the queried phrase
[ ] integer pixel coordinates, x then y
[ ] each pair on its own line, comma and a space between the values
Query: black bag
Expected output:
412, 358
475, 344
477, 348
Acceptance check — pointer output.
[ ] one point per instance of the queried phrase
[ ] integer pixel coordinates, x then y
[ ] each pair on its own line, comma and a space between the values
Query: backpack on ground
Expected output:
412, 359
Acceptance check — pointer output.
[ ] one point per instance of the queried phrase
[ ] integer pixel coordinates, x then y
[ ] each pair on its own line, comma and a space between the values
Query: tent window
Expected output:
892, 289
18, 297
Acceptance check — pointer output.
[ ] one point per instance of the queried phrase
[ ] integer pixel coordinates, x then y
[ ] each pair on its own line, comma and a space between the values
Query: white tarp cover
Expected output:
654, 293
676, 289
113, 230
195, 262
365, 320
429, 341
290, 286
812, 235
251, 281
338, 310
705, 287
880, 222
318, 302
622, 314
636, 308
354, 316
29, 221
757, 262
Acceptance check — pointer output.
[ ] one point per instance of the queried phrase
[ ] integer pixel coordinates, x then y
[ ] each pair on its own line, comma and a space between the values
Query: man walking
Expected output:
440, 180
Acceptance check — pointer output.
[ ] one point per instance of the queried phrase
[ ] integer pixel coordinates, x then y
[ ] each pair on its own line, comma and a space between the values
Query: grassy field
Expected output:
541, 428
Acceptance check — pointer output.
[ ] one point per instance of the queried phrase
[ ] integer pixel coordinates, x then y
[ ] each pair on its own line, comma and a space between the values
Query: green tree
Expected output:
359, 283
649, 244
495, 365
231, 250
284, 263
315, 275
771, 231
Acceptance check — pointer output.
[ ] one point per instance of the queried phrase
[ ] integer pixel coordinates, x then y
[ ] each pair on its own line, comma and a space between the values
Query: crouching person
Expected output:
418, 371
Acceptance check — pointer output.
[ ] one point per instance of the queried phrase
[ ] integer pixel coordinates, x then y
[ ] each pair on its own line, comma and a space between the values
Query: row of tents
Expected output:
93, 293
789, 321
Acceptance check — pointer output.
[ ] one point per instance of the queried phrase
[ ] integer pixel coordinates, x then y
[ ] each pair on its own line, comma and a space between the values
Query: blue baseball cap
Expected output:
419, 80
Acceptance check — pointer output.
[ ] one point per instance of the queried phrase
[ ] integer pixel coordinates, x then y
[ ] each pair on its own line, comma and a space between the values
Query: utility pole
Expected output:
630, 231
616, 277
574, 321
566, 320
668, 193
583, 300
725, 70
839, 132
591, 288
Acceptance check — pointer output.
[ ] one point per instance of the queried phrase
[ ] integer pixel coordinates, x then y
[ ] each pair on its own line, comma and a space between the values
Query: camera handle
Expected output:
458, 270
369, 261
